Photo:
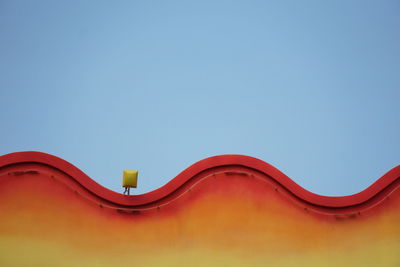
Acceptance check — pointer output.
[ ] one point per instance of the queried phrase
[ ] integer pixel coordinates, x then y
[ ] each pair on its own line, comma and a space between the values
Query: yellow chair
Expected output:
129, 180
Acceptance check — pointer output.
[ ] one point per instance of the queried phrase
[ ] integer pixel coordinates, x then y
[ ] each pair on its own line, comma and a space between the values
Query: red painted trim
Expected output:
391, 178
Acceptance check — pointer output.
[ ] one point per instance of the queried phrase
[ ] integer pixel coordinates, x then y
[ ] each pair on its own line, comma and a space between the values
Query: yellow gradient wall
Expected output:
225, 220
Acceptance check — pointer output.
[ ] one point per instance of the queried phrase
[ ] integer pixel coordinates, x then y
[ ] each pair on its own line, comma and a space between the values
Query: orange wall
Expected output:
225, 219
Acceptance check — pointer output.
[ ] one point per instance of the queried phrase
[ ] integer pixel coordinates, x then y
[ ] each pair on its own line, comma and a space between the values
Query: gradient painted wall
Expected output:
226, 210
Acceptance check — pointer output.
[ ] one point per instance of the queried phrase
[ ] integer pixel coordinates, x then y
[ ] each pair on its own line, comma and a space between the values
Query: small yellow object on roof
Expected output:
130, 178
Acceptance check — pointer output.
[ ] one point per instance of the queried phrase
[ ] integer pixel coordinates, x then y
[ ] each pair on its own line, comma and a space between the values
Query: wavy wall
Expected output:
226, 210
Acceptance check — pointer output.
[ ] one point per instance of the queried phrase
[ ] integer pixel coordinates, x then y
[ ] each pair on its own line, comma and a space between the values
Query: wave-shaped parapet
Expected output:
20, 163
228, 210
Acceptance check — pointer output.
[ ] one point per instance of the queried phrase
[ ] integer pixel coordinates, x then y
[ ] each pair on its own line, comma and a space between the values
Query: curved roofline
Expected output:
192, 171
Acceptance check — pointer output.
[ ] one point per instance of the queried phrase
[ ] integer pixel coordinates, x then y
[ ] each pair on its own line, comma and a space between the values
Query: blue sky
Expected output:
311, 87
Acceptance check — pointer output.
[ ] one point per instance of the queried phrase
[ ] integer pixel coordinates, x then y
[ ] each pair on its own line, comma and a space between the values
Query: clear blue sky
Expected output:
311, 87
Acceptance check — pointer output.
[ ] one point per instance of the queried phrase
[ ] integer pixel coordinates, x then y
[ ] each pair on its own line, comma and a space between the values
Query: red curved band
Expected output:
390, 179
